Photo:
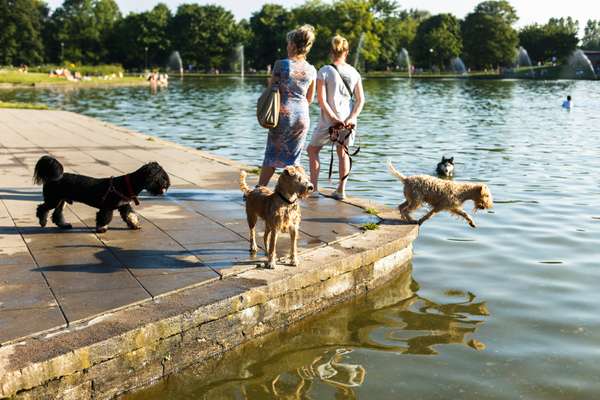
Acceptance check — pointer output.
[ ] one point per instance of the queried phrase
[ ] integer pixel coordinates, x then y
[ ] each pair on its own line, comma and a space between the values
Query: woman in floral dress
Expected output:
296, 80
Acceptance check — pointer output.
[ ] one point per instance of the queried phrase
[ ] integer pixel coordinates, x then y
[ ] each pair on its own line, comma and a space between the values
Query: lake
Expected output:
507, 310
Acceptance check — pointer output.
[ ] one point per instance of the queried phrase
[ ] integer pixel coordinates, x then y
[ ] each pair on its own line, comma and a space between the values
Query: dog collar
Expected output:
285, 198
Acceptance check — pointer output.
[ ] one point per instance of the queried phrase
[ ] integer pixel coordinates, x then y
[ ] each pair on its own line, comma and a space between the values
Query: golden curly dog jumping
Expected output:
279, 209
441, 195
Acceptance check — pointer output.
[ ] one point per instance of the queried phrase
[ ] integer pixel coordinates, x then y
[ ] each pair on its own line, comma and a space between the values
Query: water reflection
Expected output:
324, 357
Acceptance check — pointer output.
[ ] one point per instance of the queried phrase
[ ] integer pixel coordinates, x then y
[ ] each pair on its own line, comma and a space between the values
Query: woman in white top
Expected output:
337, 107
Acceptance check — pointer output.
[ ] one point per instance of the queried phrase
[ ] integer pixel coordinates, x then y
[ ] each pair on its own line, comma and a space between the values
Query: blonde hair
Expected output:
302, 38
339, 45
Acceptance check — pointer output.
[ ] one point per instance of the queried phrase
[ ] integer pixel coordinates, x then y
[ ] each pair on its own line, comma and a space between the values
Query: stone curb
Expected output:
135, 346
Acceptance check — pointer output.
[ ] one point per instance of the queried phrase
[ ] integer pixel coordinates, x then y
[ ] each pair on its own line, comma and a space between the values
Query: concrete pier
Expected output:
86, 315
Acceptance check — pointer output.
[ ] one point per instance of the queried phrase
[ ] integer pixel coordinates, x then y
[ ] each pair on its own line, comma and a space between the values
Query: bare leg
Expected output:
58, 217
430, 214
314, 164
103, 218
344, 167
272, 249
462, 213
294, 250
265, 175
130, 218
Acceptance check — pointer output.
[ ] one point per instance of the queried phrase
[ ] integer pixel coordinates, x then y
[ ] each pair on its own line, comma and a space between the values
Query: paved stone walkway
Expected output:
195, 235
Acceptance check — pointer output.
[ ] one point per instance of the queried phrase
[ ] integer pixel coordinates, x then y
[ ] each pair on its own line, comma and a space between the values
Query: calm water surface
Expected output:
524, 285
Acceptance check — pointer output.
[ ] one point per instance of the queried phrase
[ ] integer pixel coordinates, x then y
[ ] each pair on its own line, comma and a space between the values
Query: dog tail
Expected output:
243, 185
395, 172
47, 169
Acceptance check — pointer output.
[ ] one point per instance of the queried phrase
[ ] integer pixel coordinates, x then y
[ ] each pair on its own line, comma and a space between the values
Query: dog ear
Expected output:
289, 171
451, 159
443, 159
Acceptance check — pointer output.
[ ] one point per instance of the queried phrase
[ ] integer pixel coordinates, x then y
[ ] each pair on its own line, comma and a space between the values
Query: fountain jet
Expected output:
361, 43
404, 61
458, 66
175, 63
581, 65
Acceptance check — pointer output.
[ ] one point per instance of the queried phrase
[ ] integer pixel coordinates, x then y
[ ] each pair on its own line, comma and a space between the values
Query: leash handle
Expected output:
335, 130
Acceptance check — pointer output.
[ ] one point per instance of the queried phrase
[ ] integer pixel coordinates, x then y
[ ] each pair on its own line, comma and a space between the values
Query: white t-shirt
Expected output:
337, 95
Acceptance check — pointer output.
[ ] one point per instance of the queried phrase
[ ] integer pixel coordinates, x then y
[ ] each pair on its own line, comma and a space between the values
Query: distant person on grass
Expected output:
296, 80
341, 98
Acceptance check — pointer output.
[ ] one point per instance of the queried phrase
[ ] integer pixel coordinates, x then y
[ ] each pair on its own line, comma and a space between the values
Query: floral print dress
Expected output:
286, 141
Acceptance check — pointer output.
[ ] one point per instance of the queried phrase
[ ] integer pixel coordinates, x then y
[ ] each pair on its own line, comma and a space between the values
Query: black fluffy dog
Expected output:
106, 194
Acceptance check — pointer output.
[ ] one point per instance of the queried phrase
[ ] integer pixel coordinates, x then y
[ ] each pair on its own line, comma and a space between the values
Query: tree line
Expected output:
207, 37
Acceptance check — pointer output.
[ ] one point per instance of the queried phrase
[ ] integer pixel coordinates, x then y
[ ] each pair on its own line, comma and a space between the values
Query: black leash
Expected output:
334, 135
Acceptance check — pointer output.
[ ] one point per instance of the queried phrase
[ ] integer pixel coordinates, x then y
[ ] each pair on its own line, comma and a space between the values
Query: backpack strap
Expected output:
350, 91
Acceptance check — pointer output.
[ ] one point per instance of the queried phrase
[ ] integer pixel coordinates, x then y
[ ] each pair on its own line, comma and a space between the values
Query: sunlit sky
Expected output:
529, 11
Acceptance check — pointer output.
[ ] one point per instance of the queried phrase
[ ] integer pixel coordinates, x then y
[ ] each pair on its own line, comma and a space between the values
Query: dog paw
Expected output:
294, 262
43, 223
133, 222
101, 229
66, 226
472, 225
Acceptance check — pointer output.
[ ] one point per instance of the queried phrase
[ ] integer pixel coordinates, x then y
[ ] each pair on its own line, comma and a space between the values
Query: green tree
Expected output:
557, 38
21, 24
353, 19
488, 35
533, 39
205, 36
137, 32
268, 28
591, 38
398, 31
562, 37
83, 27
438, 39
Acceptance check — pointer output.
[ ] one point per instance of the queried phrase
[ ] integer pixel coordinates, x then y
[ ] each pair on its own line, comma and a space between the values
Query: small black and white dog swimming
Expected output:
445, 168
105, 194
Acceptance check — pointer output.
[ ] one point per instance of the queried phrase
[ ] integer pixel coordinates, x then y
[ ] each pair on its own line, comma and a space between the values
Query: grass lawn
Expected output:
27, 106
16, 78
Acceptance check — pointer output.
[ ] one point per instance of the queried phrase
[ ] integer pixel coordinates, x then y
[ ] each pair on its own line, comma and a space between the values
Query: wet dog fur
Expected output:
280, 209
440, 195
105, 194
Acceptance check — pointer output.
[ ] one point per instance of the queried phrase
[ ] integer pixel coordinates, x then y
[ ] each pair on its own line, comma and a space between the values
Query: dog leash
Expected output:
332, 131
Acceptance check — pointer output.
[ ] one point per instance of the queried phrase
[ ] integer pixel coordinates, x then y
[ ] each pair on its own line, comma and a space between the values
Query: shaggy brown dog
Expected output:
441, 195
279, 209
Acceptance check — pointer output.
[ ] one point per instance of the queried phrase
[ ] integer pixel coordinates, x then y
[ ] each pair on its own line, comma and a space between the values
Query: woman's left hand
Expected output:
350, 121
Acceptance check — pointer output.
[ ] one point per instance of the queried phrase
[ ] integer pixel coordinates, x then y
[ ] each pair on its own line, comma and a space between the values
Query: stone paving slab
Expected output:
194, 236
